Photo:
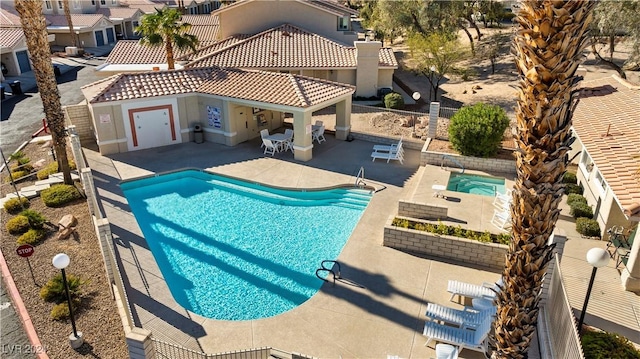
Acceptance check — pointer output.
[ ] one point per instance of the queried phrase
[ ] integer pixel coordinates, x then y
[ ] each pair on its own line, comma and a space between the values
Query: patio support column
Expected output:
343, 119
302, 141
631, 273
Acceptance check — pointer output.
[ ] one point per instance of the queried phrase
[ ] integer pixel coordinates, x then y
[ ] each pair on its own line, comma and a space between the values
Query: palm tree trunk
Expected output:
549, 47
35, 32
169, 49
67, 14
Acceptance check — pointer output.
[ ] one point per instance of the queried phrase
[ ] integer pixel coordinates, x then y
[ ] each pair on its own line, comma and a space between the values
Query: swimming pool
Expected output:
234, 250
475, 184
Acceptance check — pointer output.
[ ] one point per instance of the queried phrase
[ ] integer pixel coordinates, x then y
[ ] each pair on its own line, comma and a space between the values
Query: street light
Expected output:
416, 97
597, 257
61, 261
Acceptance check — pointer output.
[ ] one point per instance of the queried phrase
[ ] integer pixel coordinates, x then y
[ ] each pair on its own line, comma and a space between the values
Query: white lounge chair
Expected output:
318, 135
270, 147
446, 351
501, 219
462, 289
396, 154
466, 318
503, 201
463, 338
388, 148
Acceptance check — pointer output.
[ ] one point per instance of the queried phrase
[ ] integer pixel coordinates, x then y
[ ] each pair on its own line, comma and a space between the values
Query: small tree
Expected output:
394, 100
436, 56
478, 130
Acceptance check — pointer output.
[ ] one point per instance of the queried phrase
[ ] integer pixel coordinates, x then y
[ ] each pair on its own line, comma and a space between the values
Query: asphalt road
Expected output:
22, 116
13, 340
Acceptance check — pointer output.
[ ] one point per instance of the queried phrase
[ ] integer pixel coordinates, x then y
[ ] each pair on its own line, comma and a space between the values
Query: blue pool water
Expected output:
474, 184
234, 250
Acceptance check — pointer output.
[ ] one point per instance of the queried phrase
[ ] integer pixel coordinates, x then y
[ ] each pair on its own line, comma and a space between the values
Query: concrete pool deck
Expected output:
377, 310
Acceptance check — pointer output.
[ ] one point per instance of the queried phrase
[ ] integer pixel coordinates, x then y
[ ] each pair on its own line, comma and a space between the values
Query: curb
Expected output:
21, 310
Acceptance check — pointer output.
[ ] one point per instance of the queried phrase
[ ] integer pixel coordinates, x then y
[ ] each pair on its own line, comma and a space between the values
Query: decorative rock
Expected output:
39, 163
66, 226
47, 144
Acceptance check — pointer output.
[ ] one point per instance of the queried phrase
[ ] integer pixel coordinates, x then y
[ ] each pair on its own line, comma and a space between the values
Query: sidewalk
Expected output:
28, 81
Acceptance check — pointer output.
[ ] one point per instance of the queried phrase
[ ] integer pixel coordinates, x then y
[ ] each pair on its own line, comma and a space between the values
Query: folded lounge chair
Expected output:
465, 318
446, 351
463, 338
462, 289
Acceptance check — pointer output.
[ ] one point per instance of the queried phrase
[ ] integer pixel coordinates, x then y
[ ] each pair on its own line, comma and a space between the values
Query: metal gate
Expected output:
23, 61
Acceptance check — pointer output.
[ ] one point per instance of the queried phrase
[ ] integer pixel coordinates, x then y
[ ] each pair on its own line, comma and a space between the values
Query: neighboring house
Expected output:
92, 30
606, 124
191, 7
146, 6
145, 110
124, 20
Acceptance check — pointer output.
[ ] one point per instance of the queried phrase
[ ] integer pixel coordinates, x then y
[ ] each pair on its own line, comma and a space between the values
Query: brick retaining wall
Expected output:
79, 116
422, 210
470, 163
489, 255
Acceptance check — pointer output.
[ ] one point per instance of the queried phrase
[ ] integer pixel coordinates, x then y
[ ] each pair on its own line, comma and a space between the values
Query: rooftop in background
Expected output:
607, 121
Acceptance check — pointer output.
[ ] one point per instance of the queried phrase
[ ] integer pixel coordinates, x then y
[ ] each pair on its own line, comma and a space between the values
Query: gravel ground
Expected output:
97, 317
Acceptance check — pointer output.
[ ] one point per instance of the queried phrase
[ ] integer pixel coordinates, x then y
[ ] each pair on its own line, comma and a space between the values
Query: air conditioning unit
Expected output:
71, 50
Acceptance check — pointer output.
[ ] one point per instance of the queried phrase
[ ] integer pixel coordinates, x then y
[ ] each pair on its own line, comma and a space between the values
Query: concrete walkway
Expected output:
377, 311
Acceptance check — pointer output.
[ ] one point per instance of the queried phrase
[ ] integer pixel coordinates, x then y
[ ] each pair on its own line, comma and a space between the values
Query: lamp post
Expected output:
597, 257
61, 261
416, 97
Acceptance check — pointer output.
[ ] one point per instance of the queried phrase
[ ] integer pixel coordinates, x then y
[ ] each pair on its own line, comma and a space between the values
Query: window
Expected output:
601, 182
586, 162
47, 4
103, 2
76, 4
60, 5
114, 2
343, 23
93, 2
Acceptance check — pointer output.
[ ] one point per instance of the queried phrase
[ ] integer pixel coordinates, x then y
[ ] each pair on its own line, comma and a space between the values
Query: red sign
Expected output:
25, 250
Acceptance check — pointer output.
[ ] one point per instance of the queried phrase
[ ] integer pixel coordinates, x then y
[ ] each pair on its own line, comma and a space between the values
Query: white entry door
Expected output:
152, 128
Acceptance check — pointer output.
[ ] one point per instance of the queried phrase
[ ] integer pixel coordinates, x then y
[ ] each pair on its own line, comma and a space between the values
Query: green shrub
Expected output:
36, 220
32, 236
60, 311
574, 198
16, 156
12, 206
569, 177
16, 175
17, 225
457, 231
399, 222
478, 130
53, 291
574, 188
394, 100
588, 227
52, 168
59, 195
580, 209
603, 345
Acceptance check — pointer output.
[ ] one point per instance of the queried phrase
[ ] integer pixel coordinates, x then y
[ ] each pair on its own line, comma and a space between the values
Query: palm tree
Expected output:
164, 27
548, 48
67, 14
35, 32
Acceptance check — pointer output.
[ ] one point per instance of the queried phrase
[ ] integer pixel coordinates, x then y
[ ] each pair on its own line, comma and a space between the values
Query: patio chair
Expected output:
503, 201
465, 318
393, 154
389, 148
462, 338
263, 133
288, 143
501, 219
446, 351
319, 135
270, 147
319, 123
462, 289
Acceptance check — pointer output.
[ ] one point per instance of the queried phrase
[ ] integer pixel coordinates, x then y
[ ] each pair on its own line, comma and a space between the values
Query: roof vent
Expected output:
285, 33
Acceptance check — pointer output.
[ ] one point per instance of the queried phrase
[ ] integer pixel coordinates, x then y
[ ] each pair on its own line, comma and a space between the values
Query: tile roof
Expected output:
78, 20
215, 46
261, 86
146, 6
200, 20
131, 52
8, 16
288, 47
118, 12
205, 32
9, 36
607, 122
327, 5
